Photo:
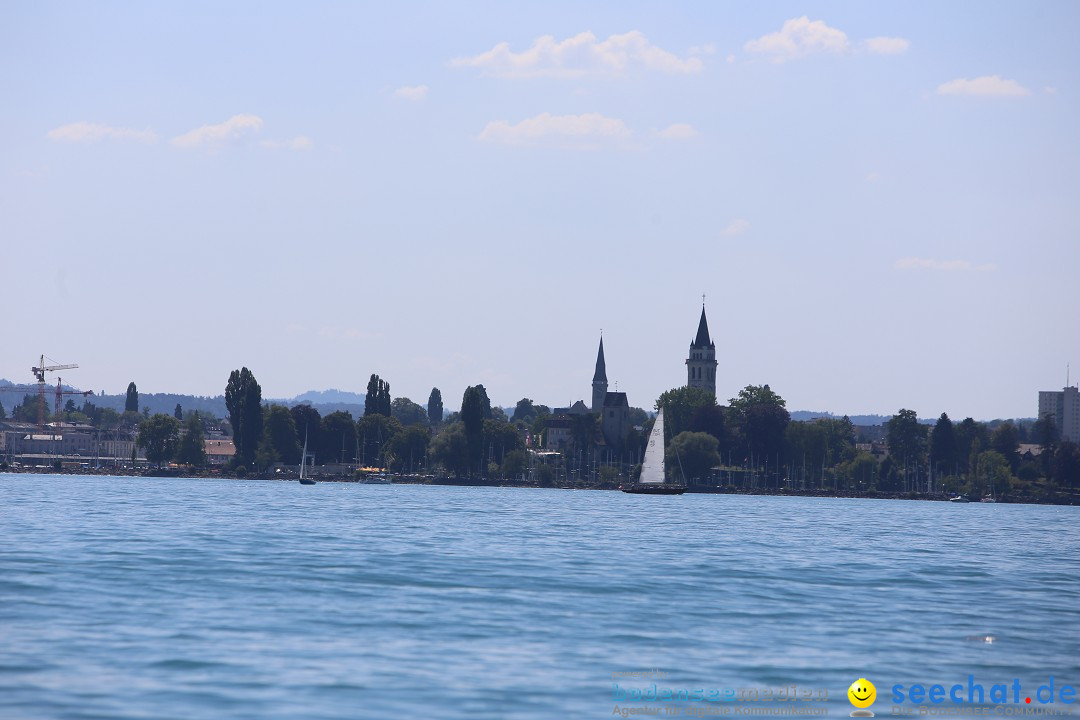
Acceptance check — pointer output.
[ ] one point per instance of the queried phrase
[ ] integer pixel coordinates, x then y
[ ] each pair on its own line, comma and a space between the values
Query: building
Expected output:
612, 407
701, 362
1064, 407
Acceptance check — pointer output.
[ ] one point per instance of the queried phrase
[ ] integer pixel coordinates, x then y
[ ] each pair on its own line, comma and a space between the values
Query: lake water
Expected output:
183, 598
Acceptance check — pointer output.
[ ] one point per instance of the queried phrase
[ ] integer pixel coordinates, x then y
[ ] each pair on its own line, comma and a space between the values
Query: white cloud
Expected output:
1049, 90
579, 55
581, 131
735, 227
679, 131
411, 92
93, 132
235, 127
913, 263
300, 142
985, 86
800, 37
885, 45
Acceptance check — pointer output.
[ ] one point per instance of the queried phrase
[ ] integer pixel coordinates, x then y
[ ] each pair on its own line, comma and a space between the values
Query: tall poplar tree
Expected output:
435, 407
243, 398
131, 403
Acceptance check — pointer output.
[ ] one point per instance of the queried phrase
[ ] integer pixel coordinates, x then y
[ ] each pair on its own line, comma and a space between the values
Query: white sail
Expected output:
652, 468
303, 458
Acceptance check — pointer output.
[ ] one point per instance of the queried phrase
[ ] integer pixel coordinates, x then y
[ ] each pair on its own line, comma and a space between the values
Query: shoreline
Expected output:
1066, 498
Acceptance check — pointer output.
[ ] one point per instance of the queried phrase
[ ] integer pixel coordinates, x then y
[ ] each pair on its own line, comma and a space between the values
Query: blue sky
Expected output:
879, 200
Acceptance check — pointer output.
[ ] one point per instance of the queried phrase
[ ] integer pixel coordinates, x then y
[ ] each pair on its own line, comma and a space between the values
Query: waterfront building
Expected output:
1064, 407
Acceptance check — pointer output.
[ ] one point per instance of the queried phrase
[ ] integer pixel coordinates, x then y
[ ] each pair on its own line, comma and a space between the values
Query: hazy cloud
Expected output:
885, 45
235, 127
679, 131
985, 86
93, 132
589, 130
800, 37
735, 227
913, 263
411, 92
579, 55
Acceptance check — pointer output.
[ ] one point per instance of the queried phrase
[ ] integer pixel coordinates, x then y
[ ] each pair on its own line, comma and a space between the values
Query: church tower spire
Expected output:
701, 362
599, 380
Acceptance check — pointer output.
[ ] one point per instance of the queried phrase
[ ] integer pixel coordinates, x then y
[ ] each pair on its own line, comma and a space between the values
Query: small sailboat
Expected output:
304, 480
652, 480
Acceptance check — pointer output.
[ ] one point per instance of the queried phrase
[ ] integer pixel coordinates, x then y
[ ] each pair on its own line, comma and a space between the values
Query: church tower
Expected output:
701, 362
599, 380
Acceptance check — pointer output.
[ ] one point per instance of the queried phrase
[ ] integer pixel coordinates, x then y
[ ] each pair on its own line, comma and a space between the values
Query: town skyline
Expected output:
876, 200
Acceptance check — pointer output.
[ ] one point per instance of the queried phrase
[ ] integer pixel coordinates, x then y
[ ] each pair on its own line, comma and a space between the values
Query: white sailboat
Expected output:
304, 480
653, 480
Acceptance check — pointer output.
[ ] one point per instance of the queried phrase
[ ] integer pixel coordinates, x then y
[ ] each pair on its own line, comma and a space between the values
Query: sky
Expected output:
879, 201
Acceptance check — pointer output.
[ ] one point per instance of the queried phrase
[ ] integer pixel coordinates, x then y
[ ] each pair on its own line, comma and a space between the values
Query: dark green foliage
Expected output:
279, 432
680, 406
524, 411
475, 408
377, 401
761, 418
969, 435
408, 448
243, 398
501, 437
450, 448
435, 407
159, 436
27, 410
695, 452
943, 456
1006, 440
3, 413
906, 437
190, 450
1067, 464
131, 403
178, 413
407, 412
307, 420
336, 439
375, 431
514, 464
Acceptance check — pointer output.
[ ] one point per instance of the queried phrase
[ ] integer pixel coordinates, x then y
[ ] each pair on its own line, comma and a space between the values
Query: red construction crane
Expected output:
60, 392
39, 373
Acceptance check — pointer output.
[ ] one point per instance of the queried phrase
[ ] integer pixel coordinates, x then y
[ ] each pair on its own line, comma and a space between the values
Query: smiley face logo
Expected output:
862, 694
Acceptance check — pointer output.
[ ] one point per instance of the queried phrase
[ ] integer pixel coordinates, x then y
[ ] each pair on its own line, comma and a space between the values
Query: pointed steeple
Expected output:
601, 368
702, 339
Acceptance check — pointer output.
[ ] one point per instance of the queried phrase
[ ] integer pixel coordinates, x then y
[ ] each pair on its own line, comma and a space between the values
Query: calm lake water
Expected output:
182, 598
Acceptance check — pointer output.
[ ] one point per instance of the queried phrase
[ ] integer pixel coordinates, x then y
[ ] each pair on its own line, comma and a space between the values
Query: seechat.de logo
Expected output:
862, 695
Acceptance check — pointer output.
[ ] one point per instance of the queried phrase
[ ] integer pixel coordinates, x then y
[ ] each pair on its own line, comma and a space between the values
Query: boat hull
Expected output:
307, 481
654, 490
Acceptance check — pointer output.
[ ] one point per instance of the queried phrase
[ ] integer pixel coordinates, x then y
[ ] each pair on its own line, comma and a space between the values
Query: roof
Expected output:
702, 339
616, 399
601, 367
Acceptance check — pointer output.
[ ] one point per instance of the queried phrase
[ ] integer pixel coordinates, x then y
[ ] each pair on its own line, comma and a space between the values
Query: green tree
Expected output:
524, 411
159, 436
969, 433
376, 431
680, 405
377, 401
307, 420
1067, 464
407, 412
178, 413
943, 457
336, 439
696, 453
243, 398
409, 447
906, 437
992, 475
501, 437
1046, 434
475, 408
514, 464
131, 402
1005, 439
279, 430
27, 410
191, 449
762, 418
3, 414
860, 473
450, 448
435, 406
